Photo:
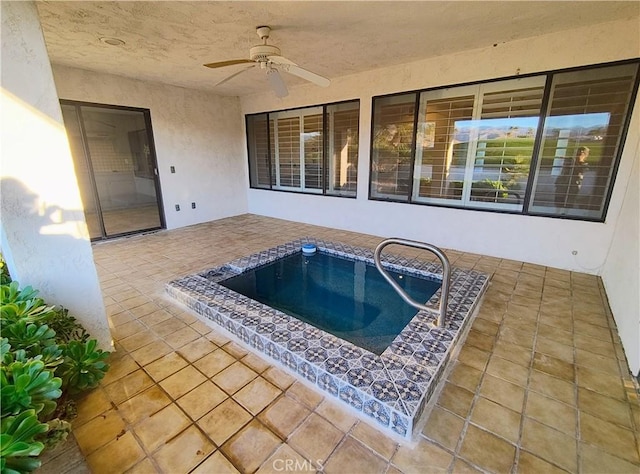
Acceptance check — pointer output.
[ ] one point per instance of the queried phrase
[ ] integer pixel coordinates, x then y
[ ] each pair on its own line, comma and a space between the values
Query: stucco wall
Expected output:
538, 240
621, 273
44, 234
196, 132
609, 249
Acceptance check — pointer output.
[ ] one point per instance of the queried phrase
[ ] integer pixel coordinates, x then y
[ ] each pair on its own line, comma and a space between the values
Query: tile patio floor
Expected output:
540, 385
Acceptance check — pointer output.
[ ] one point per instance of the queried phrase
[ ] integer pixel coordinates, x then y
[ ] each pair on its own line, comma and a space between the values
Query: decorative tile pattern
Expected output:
392, 388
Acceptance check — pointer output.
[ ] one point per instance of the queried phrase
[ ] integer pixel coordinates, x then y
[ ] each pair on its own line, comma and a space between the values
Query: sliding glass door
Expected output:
115, 164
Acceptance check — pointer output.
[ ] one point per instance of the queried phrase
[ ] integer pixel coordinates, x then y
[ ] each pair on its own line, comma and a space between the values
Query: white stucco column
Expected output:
44, 236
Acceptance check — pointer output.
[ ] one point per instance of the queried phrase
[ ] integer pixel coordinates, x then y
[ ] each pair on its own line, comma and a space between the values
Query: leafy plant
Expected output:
29, 337
45, 355
66, 327
28, 386
5, 277
17, 444
84, 365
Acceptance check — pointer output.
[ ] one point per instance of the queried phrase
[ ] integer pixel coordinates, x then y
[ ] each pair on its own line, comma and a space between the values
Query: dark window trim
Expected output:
525, 208
324, 150
152, 148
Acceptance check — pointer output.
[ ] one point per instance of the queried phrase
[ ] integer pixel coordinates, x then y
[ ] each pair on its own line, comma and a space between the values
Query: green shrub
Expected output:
46, 356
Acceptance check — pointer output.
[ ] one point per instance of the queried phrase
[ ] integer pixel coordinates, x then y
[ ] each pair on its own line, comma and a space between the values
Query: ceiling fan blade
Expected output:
304, 74
280, 60
231, 62
233, 75
277, 84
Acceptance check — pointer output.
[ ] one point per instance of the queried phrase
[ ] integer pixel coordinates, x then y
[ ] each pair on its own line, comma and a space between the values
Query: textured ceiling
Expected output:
170, 41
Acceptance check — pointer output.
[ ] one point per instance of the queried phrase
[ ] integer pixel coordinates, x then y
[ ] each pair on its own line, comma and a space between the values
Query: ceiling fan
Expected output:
268, 58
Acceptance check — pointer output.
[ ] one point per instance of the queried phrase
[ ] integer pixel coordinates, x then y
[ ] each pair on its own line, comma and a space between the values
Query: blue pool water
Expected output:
348, 299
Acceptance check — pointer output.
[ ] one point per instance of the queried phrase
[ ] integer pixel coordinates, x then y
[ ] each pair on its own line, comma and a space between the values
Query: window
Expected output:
586, 117
311, 150
481, 146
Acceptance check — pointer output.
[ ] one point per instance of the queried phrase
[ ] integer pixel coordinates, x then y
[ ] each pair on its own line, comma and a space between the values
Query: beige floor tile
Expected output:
611, 438
336, 415
146, 466
181, 337
117, 456
214, 363
182, 381
594, 460
236, 350
414, 459
128, 329
285, 459
597, 362
554, 366
523, 302
316, 438
465, 376
201, 400
143, 405
456, 399
554, 349
444, 428
249, 448
553, 387
480, 340
310, 398
513, 353
487, 451
605, 408
551, 412
234, 377
161, 427
99, 431
184, 452
151, 352
138, 340
473, 357
197, 349
119, 368
255, 362
550, 445
278, 377
256, 395
486, 327
352, 456
284, 416
154, 316
165, 366
128, 386
601, 383
224, 421
91, 405
216, 464
496, 419
371, 437
168, 326
528, 463
502, 392
201, 327
507, 370
460, 466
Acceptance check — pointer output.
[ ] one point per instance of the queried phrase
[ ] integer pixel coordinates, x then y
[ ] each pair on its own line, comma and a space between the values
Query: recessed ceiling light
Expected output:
111, 41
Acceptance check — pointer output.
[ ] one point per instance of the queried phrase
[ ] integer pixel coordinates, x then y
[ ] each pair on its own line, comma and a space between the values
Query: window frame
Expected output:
534, 165
300, 112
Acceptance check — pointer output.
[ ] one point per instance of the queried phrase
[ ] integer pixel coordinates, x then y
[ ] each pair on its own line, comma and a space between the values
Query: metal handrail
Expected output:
446, 274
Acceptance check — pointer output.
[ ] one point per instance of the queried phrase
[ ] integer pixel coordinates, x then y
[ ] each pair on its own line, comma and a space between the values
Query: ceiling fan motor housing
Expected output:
262, 51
